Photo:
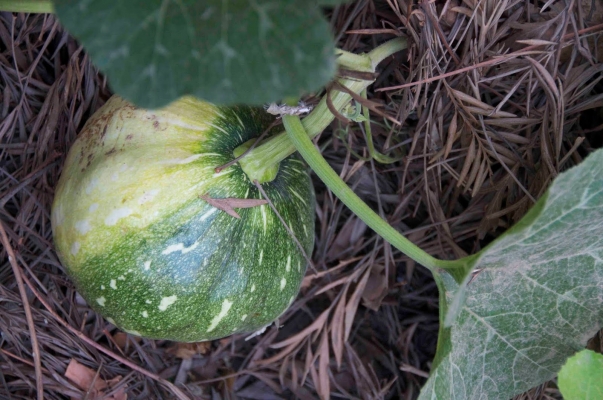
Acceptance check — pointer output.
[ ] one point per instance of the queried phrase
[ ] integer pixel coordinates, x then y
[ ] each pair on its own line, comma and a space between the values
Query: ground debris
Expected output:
488, 114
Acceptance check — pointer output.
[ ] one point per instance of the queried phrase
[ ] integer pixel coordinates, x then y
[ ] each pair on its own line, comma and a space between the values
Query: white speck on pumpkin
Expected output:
252, 288
111, 320
240, 122
288, 266
244, 317
179, 247
283, 283
101, 301
305, 229
187, 160
208, 214
83, 226
113, 284
264, 218
291, 300
216, 320
121, 278
116, 215
298, 196
147, 265
102, 287
148, 196
298, 266
261, 257
166, 302
58, 215
145, 314
148, 301
93, 183
93, 207
75, 247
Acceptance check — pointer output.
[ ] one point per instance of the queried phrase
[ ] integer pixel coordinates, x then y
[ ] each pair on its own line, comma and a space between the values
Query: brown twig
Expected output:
181, 395
488, 63
30, 322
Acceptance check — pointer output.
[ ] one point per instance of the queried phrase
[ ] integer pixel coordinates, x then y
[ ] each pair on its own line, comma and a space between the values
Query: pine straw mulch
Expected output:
493, 98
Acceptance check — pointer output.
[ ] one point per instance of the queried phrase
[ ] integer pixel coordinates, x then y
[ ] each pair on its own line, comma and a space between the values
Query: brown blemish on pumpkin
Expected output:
110, 152
129, 137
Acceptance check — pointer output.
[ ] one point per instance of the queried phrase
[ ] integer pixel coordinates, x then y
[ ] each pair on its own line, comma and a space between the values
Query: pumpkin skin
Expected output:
152, 257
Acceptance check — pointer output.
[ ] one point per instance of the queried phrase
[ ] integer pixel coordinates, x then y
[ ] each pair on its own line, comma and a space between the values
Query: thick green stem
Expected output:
27, 6
279, 147
300, 138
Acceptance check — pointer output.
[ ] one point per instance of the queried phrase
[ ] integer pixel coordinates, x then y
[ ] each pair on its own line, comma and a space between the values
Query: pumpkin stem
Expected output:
258, 161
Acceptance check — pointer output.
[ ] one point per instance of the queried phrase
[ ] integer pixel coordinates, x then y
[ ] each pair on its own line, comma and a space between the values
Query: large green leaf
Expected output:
332, 2
536, 301
581, 378
223, 51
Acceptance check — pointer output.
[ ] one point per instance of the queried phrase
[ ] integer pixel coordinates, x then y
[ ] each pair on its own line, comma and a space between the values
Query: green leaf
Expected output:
223, 51
331, 2
536, 298
581, 378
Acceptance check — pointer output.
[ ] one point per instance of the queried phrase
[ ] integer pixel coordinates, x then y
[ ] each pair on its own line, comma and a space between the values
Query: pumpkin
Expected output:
152, 256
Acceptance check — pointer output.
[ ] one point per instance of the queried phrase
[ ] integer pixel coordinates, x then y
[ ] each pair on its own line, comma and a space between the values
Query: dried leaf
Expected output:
352, 306
189, 350
323, 383
337, 327
258, 390
88, 380
316, 325
376, 288
309, 278
349, 236
121, 339
452, 135
536, 42
469, 159
228, 204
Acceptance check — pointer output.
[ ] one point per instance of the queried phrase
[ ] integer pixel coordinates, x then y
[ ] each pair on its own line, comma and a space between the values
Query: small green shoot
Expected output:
581, 377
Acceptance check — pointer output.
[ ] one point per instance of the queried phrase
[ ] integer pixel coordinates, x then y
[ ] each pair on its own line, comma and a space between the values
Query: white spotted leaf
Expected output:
536, 301
222, 51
